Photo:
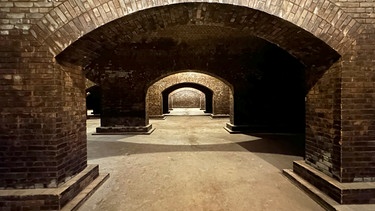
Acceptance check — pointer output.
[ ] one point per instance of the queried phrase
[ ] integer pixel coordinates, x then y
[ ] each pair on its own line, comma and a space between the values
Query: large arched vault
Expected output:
182, 25
266, 58
307, 64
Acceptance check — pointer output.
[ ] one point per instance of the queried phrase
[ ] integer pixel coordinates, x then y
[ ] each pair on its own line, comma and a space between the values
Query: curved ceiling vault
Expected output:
197, 24
199, 87
176, 24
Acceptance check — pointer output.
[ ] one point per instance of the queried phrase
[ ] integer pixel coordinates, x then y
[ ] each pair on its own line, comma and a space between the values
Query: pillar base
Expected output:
329, 192
232, 129
157, 117
68, 196
125, 130
218, 116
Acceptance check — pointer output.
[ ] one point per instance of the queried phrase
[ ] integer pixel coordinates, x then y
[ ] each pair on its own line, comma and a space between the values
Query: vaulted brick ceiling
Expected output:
200, 27
188, 22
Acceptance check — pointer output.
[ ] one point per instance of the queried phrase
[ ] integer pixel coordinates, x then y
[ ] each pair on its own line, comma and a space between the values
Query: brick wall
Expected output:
200, 104
186, 98
361, 10
22, 15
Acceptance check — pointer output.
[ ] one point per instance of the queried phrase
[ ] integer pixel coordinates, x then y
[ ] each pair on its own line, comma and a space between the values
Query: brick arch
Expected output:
197, 86
221, 91
193, 71
73, 19
205, 90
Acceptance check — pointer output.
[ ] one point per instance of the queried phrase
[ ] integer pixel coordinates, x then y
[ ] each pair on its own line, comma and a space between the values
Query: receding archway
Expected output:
316, 33
186, 97
154, 46
216, 91
208, 94
186, 101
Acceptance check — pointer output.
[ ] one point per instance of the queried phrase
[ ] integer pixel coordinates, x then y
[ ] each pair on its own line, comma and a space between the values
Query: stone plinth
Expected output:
308, 177
68, 196
125, 130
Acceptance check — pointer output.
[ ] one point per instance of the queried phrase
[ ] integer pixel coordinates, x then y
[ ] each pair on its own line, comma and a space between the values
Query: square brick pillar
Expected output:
123, 107
43, 149
339, 136
244, 114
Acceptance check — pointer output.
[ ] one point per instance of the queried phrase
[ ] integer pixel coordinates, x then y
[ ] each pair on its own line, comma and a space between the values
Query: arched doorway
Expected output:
217, 93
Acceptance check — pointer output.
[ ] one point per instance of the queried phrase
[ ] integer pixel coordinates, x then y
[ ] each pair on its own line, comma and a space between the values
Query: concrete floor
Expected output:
192, 163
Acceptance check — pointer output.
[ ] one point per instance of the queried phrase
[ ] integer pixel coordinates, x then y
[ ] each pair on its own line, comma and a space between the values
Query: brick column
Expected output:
42, 128
123, 106
358, 112
245, 117
221, 102
202, 102
43, 110
340, 118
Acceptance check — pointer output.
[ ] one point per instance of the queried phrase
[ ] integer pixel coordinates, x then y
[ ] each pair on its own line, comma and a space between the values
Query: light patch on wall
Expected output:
186, 98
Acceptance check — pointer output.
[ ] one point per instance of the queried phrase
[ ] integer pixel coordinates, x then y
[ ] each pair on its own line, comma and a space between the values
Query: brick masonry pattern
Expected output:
221, 91
42, 110
186, 98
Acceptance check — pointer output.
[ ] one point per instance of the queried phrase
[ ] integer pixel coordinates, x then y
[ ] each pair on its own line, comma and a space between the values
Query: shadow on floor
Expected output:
278, 150
98, 149
286, 144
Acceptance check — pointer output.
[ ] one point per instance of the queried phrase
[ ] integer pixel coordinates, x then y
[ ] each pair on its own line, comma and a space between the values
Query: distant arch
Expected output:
207, 92
218, 93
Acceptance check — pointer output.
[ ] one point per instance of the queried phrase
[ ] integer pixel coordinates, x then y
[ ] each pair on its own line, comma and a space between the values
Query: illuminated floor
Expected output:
192, 163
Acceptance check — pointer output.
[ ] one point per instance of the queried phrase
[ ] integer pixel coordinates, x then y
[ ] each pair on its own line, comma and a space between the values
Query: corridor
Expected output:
266, 66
